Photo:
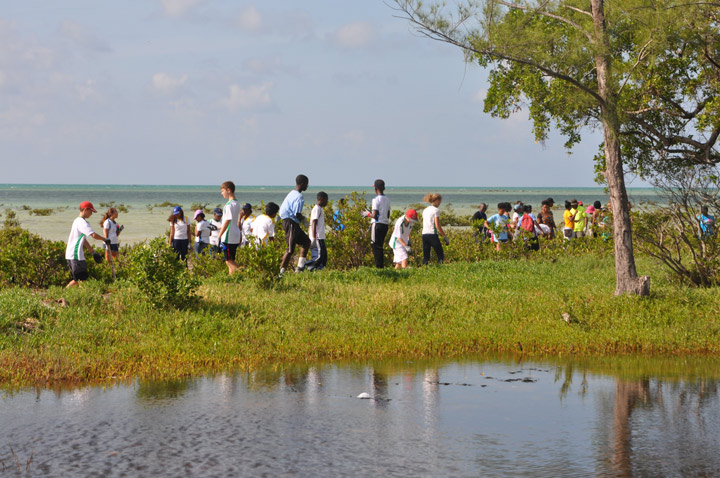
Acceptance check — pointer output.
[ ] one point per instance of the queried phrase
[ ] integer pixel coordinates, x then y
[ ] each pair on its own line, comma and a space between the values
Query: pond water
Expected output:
475, 417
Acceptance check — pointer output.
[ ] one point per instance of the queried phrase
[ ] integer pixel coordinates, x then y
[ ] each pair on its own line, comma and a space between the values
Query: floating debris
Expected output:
364, 396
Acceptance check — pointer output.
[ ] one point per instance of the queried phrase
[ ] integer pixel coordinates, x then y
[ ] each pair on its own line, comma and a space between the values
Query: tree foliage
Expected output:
645, 72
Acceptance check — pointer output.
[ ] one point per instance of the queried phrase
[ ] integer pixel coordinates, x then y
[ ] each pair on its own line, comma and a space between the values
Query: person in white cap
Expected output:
400, 239
74, 253
202, 232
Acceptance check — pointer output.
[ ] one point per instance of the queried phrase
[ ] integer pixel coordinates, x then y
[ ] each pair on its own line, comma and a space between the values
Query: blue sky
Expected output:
200, 91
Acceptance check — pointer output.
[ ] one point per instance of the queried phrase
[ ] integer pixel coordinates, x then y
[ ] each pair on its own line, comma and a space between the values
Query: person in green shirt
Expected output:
579, 219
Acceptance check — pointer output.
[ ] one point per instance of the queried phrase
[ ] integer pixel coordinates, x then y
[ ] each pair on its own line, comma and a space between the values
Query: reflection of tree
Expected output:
627, 395
662, 429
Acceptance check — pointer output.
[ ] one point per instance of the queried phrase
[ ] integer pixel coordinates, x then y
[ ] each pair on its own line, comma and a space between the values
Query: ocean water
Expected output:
143, 221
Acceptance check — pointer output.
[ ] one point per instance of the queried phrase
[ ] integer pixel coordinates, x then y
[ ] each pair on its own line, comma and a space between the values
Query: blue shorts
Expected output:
114, 247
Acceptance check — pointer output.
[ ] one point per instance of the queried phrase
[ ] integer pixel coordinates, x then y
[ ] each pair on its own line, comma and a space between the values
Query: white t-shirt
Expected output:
429, 214
263, 229
401, 231
204, 228
215, 235
80, 229
181, 230
111, 227
246, 228
381, 203
231, 212
317, 214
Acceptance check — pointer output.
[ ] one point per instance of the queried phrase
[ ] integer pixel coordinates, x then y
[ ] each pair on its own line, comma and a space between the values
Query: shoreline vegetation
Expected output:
163, 320
110, 332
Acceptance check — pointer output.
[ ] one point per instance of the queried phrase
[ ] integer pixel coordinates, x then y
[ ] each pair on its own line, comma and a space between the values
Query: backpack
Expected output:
527, 223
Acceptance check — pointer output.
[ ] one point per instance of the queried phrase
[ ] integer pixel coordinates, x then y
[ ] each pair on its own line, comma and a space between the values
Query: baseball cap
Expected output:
590, 209
411, 214
580, 203
87, 205
197, 213
247, 206
217, 210
518, 207
177, 210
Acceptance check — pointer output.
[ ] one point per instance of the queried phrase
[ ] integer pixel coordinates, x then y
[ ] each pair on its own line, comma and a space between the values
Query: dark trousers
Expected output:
180, 246
378, 232
319, 255
432, 241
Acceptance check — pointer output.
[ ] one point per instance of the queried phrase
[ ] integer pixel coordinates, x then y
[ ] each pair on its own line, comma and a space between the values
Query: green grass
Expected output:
510, 306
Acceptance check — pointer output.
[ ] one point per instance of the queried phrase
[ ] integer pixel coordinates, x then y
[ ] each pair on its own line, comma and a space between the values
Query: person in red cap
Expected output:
74, 253
400, 239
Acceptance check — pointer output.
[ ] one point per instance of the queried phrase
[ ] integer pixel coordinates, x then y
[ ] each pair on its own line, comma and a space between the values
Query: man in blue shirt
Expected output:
291, 215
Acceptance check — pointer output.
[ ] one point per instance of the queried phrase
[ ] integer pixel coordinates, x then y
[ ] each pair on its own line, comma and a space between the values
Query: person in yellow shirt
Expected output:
568, 219
579, 218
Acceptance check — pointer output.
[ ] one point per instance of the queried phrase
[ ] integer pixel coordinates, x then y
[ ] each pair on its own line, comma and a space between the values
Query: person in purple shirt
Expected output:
291, 215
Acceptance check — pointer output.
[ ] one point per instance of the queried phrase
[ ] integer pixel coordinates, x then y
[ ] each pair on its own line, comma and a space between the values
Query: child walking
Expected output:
179, 233
400, 239
291, 215
264, 225
230, 234
379, 222
318, 251
111, 231
432, 230
202, 232
74, 253
498, 225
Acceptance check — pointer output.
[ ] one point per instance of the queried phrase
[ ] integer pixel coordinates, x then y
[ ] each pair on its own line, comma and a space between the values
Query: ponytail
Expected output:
107, 215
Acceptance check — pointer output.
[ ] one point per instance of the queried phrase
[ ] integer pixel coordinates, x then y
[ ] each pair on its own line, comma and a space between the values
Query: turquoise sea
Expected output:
141, 222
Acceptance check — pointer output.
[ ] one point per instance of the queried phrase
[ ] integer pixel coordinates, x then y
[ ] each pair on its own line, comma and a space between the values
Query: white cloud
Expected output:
354, 35
249, 19
166, 84
253, 96
177, 8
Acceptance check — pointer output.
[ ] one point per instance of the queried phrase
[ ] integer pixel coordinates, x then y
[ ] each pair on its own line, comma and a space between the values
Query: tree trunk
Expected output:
627, 280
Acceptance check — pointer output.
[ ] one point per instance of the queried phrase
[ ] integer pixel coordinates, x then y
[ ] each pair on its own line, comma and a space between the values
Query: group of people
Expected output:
513, 222
235, 226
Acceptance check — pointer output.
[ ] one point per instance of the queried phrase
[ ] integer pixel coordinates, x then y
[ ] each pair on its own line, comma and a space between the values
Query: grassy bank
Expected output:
110, 331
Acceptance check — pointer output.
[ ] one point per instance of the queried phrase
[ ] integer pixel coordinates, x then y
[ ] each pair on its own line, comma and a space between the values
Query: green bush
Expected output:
165, 280
262, 264
349, 248
207, 264
27, 260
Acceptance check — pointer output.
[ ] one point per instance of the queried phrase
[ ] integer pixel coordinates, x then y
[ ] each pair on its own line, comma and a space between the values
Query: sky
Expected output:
203, 91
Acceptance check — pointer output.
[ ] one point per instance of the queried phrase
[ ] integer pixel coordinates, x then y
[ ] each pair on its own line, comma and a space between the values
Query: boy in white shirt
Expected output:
380, 219
400, 239
230, 234
74, 253
318, 251
264, 225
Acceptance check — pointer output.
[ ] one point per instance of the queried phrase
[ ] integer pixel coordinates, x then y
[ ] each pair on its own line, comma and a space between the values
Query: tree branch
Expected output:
438, 35
539, 11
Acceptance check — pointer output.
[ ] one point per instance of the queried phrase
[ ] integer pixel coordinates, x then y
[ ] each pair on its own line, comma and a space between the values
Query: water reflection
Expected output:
466, 418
